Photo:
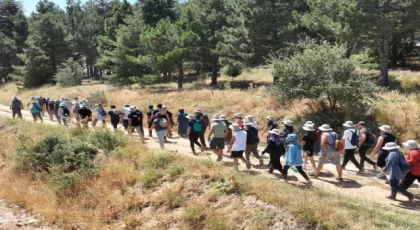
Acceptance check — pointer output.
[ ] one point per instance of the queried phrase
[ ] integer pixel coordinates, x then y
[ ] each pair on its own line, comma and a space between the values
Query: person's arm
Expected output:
152, 117
362, 139
21, 105
211, 132
302, 143
389, 163
269, 146
323, 145
232, 141
411, 160
153, 126
10, 107
378, 146
264, 131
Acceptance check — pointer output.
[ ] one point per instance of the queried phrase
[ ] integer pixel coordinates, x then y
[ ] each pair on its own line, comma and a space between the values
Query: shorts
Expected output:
217, 143
237, 153
332, 157
310, 153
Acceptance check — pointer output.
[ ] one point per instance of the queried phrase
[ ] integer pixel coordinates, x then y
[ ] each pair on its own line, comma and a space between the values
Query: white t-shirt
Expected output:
240, 142
126, 111
347, 137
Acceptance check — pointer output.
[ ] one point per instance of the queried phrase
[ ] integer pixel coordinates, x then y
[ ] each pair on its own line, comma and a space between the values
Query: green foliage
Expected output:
158, 161
70, 74
321, 72
156, 10
149, 177
106, 139
176, 170
97, 96
233, 69
366, 58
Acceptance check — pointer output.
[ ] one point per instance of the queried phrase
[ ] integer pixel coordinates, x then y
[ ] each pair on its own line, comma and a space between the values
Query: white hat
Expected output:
288, 122
249, 118
126, 104
132, 109
309, 128
235, 127
385, 128
348, 124
390, 146
237, 115
274, 131
198, 110
411, 144
223, 118
190, 117
269, 117
215, 118
325, 128
309, 123
83, 105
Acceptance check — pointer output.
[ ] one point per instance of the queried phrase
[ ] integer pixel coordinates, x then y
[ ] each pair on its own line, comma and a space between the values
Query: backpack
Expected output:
337, 145
163, 122
371, 138
354, 138
42, 100
102, 112
204, 121
16, 104
66, 111
196, 126
51, 105
56, 106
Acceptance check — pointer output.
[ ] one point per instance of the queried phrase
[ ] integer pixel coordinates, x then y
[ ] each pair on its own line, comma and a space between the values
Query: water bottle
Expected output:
294, 169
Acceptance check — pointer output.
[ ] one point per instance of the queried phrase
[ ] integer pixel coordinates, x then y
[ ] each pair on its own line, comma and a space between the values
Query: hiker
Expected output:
385, 137
75, 109
288, 128
250, 119
42, 102
413, 158
56, 107
84, 101
294, 158
328, 153
275, 147
238, 119
307, 144
16, 106
194, 131
252, 141
85, 115
126, 111
205, 123
237, 145
366, 140
171, 121
100, 114
164, 111
228, 136
50, 108
271, 125
350, 140
182, 123
35, 109
318, 133
396, 167
63, 113
150, 121
160, 124
134, 122
218, 131
115, 116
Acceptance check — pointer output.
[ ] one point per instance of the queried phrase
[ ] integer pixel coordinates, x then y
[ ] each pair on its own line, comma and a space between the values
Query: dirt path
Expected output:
11, 217
363, 186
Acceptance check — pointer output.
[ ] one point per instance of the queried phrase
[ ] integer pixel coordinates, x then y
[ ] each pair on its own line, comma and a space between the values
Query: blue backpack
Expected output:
354, 138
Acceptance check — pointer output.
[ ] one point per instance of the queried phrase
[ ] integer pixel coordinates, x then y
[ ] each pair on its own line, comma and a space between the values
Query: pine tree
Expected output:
155, 10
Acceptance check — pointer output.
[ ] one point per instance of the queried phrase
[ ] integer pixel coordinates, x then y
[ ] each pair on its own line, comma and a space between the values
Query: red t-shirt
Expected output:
413, 159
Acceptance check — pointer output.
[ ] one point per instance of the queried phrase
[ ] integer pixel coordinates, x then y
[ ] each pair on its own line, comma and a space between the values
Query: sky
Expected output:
29, 5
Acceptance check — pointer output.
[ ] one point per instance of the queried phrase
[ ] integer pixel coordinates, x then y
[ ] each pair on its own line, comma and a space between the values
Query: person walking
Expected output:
50, 108
275, 147
250, 119
35, 109
115, 116
160, 124
271, 125
16, 106
218, 131
126, 111
182, 123
205, 123
328, 154
252, 141
134, 123
228, 137
350, 140
288, 128
85, 115
386, 137
396, 167
149, 119
294, 158
194, 131
237, 146
307, 144
100, 114
63, 113
42, 102
318, 133
56, 108
413, 158
238, 119
365, 143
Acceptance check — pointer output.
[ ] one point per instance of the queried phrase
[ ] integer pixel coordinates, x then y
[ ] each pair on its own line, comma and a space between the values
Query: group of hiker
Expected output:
242, 138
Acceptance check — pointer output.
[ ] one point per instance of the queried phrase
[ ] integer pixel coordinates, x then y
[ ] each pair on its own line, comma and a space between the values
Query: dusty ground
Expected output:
363, 186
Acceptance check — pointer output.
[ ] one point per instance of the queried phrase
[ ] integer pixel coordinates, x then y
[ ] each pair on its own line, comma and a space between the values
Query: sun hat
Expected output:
215, 118
126, 104
274, 131
411, 144
190, 117
269, 117
390, 146
309, 128
198, 110
237, 115
32, 97
385, 128
223, 118
309, 123
83, 105
288, 122
249, 118
132, 109
348, 124
325, 128
235, 127
362, 123
163, 110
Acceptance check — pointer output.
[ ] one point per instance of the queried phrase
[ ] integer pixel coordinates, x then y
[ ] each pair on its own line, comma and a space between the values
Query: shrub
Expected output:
70, 74
106, 139
98, 96
158, 161
149, 177
233, 69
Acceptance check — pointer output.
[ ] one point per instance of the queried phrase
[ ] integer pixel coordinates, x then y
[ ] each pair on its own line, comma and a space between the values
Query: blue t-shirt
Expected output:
114, 117
271, 125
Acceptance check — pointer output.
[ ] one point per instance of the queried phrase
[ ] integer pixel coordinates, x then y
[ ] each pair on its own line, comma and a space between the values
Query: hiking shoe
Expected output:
248, 165
411, 198
391, 197
339, 179
220, 158
271, 171
261, 162
309, 182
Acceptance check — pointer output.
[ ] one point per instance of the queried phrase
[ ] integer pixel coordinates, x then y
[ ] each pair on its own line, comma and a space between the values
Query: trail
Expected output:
363, 186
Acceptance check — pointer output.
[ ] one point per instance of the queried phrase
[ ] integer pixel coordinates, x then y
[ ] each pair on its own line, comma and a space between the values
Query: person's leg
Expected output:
254, 151
235, 163
94, 122
125, 124
394, 185
14, 111
339, 170
408, 180
381, 162
284, 172
40, 117
247, 152
247, 162
346, 158
192, 144
138, 130
160, 136
202, 139
150, 129
300, 170
58, 119
34, 116
353, 158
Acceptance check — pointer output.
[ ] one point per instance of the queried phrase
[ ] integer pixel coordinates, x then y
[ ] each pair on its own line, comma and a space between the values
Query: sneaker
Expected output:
339, 178
220, 158
309, 182
411, 198
248, 165
391, 197
261, 162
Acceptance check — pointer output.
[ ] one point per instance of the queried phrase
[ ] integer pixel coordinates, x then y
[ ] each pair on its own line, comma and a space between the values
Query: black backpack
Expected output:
66, 111
204, 121
16, 104
371, 138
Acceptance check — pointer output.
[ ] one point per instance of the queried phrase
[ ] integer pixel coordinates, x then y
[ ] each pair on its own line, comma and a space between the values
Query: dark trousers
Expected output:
382, 155
125, 124
395, 187
202, 139
363, 158
408, 180
17, 111
275, 162
115, 123
349, 156
299, 168
194, 140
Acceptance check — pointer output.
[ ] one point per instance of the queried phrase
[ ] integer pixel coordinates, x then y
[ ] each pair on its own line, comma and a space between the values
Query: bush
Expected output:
106, 139
149, 177
232, 69
98, 96
70, 74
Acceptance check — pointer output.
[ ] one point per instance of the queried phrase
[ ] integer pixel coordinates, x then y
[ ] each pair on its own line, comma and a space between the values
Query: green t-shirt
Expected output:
218, 129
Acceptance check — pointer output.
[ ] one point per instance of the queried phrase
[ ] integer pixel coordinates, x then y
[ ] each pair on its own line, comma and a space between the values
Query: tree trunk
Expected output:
95, 73
384, 49
214, 71
180, 76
